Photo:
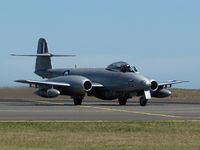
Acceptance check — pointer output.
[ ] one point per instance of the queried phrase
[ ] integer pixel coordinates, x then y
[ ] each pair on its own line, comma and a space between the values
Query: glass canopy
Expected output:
121, 67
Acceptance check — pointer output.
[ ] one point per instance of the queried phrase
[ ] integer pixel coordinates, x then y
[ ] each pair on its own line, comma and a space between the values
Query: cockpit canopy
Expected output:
121, 67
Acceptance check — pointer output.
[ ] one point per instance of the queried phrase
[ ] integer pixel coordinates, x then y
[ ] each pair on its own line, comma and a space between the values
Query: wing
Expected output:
169, 83
51, 83
40, 83
96, 85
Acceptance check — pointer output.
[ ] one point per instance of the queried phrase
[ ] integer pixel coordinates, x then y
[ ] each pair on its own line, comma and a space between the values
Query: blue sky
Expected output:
161, 38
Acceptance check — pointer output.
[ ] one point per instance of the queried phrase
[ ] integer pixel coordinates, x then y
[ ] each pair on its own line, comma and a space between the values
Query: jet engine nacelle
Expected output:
154, 85
48, 93
79, 85
161, 93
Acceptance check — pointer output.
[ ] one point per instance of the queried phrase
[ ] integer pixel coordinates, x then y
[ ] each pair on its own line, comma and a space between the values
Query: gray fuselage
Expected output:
115, 83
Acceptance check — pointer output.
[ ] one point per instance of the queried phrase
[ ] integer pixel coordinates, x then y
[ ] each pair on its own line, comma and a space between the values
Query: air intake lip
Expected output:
87, 85
154, 85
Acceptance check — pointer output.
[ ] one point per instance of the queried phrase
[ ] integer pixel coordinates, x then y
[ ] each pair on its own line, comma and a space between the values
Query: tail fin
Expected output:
43, 58
42, 63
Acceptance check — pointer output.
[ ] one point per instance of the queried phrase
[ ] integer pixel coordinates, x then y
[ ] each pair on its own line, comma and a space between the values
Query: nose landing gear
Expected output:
143, 101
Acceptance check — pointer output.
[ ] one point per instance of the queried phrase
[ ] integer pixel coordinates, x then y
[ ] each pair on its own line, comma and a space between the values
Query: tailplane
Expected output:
43, 58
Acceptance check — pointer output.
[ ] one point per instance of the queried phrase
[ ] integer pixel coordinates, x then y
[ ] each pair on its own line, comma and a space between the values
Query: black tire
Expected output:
78, 100
143, 101
122, 101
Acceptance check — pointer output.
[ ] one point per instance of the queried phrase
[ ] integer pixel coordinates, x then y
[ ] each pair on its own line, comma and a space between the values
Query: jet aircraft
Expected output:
117, 81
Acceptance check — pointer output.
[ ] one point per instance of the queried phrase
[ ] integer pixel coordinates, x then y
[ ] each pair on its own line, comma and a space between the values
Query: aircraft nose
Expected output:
146, 83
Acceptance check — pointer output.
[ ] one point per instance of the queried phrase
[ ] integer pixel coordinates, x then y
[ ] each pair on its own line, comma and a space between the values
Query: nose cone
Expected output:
146, 83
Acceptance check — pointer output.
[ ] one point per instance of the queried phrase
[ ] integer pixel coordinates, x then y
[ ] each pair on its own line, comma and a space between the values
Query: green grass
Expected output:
155, 135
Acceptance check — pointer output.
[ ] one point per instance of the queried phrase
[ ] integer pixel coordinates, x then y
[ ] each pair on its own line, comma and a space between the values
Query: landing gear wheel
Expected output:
78, 100
122, 101
143, 101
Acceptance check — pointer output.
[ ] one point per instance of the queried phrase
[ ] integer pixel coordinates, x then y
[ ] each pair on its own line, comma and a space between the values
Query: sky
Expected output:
161, 38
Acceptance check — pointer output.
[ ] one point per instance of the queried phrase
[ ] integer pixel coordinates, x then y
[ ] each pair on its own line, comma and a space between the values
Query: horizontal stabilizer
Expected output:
43, 55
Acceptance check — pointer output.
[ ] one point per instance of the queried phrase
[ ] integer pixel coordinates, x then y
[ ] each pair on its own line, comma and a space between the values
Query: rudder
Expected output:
42, 63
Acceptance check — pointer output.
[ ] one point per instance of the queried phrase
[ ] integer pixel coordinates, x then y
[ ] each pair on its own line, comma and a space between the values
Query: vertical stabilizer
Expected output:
43, 63
43, 59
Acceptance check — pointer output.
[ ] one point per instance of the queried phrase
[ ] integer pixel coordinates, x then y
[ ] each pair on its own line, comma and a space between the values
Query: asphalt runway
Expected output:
94, 110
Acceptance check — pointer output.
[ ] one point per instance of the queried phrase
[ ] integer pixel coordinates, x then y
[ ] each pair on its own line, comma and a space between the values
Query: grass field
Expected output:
165, 135
156, 135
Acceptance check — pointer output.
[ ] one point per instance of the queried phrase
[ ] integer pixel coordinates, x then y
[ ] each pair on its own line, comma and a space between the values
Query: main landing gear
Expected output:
78, 100
122, 101
143, 101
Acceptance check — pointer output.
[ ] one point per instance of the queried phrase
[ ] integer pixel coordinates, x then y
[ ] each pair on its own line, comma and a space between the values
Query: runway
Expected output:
94, 110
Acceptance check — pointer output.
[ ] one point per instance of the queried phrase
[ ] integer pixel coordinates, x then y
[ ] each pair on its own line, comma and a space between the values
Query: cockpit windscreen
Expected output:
121, 67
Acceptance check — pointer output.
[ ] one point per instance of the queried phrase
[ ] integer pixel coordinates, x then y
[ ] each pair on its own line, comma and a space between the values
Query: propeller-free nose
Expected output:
146, 83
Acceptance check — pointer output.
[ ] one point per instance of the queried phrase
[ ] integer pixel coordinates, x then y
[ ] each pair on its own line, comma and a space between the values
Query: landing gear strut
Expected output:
78, 100
143, 101
122, 101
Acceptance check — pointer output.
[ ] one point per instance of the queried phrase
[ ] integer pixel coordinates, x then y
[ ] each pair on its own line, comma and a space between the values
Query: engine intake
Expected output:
87, 85
154, 85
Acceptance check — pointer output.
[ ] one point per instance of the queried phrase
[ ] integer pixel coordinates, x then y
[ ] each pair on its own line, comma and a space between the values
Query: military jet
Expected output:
117, 81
